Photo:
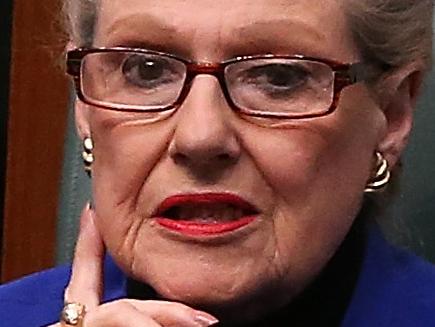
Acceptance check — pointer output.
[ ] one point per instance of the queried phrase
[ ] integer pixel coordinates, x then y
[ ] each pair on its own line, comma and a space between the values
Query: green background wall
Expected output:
410, 220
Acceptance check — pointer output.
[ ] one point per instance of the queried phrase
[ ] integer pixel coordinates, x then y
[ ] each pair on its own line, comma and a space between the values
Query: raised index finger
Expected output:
86, 283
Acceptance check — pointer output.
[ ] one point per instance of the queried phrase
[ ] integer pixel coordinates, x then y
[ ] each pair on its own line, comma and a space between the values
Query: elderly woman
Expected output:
232, 146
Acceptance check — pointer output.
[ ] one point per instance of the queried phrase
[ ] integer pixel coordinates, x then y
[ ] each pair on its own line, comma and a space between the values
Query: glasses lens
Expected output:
282, 87
132, 80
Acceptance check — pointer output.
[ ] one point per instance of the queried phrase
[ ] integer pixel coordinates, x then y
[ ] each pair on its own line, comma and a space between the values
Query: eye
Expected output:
149, 71
277, 78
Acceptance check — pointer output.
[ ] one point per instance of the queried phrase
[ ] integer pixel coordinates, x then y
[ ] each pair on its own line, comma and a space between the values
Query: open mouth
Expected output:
205, 214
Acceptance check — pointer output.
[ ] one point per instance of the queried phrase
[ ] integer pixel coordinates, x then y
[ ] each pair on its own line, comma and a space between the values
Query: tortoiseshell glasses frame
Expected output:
342, 75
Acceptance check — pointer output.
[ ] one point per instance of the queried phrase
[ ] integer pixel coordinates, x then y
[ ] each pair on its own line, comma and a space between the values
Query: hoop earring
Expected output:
381, 176
87, 154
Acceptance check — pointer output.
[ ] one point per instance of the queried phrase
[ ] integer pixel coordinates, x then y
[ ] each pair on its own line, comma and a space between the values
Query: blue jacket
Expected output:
394, 288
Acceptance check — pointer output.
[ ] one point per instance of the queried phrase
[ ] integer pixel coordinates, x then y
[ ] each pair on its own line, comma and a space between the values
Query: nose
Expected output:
204, 140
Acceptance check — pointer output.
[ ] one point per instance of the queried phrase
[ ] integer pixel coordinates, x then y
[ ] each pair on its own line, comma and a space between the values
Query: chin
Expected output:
232, 301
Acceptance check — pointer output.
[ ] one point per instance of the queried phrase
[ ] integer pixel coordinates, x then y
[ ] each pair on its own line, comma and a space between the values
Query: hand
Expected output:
86, 286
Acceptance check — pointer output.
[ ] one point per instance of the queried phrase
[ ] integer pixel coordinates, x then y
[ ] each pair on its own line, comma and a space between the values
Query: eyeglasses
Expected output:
267, 86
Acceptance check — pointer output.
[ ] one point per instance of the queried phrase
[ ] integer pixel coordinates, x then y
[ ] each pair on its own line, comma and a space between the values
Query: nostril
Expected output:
223, 157
180, 158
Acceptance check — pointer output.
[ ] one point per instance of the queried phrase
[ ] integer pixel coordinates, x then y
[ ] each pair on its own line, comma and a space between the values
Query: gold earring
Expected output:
87, 154
381, 175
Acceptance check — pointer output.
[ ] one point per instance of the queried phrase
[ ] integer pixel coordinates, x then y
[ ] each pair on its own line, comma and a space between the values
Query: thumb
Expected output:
86, 283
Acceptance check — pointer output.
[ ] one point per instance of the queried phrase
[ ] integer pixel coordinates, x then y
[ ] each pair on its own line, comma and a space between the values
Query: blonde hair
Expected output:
80, 17
388, 32
392, 32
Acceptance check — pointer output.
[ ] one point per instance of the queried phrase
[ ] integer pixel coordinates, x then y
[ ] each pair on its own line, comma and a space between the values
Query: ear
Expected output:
398, 102
82, 119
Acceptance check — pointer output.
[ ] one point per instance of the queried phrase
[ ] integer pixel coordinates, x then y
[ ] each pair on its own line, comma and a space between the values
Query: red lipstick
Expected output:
166, 214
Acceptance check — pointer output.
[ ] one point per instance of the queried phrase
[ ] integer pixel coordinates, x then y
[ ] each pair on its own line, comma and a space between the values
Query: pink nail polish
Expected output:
205, 320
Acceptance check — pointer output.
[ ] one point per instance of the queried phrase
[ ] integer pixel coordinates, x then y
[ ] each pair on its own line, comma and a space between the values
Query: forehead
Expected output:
210, 28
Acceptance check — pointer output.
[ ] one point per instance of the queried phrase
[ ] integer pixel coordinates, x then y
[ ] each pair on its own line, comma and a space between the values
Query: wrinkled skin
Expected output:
307, 177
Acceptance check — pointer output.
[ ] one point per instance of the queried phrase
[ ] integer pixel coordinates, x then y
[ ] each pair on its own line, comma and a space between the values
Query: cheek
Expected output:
318, 171
326, 155
124, 157
310, 160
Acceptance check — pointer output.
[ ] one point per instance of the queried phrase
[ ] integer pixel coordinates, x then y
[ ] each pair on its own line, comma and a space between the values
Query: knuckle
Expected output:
123, 304
115, 306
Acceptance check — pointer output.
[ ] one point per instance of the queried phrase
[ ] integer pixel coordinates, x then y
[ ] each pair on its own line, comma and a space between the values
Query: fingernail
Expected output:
88, 206
204, 319
86, 216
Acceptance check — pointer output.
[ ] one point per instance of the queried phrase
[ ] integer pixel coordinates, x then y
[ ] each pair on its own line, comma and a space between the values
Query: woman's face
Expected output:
306, 179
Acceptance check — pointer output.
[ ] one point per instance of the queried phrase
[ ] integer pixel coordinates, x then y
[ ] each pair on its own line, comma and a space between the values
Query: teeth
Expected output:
209, 212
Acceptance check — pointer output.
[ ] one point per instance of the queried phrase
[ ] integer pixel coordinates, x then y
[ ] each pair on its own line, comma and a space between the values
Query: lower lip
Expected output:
195, 228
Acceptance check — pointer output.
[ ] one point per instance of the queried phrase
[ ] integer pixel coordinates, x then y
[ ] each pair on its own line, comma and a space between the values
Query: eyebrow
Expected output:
127, 31
277, 35
144, 20
273, 24
280, 34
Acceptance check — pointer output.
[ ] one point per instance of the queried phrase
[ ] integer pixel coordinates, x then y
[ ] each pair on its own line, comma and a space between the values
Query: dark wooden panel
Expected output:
37, 119
5, 27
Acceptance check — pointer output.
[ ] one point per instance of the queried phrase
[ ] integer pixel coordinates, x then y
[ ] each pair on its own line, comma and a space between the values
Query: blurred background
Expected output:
42, 183
33, 116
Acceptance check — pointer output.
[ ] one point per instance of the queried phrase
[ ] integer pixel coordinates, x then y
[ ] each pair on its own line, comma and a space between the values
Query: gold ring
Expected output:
72, 314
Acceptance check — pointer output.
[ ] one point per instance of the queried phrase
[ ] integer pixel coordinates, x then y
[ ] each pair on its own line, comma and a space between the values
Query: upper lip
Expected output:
201, 198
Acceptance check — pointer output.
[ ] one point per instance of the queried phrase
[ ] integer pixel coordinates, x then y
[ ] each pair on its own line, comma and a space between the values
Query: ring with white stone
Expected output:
72, 314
